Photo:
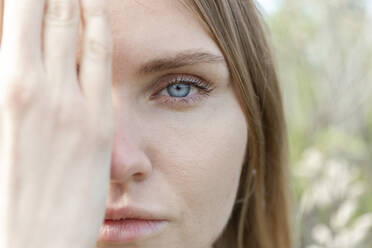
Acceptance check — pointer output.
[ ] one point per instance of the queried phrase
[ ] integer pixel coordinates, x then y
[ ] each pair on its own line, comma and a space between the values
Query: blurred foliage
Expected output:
324, 56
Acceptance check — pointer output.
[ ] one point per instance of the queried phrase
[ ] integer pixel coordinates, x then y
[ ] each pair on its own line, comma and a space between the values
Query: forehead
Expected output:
144, 29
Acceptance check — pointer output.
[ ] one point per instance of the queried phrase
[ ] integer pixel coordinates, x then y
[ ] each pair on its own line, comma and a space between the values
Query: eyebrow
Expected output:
186, 58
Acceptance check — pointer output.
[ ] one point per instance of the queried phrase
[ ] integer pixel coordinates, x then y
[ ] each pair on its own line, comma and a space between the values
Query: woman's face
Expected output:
178, 151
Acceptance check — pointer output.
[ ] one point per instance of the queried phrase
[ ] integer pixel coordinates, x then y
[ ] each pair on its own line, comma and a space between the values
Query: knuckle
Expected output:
19, 94
68, 112
62, 12
99, 50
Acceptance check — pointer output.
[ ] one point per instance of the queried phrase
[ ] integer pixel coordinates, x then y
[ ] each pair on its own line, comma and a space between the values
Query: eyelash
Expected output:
203, 86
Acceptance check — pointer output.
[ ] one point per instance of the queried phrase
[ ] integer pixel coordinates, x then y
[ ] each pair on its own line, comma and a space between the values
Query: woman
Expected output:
174, 136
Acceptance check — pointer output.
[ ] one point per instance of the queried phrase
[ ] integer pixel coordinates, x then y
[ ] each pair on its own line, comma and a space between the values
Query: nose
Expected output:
129, 161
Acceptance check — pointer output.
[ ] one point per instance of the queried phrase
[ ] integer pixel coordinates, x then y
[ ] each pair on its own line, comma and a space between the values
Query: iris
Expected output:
178, 90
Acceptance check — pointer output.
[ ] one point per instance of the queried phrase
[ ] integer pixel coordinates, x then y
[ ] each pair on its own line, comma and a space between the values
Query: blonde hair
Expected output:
261, 219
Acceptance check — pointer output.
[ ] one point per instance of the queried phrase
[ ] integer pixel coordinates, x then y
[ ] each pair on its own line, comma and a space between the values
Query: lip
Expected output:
129, 224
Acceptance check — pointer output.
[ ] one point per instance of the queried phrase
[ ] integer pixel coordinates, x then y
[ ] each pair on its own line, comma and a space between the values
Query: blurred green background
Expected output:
323, 51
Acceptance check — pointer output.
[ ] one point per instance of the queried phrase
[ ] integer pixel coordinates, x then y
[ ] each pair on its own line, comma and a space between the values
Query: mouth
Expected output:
130, 224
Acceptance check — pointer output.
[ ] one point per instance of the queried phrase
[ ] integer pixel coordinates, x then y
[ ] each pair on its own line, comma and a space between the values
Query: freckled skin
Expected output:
185, 162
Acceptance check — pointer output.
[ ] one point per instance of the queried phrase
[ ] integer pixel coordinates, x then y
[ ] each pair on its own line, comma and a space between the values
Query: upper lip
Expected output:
130, 213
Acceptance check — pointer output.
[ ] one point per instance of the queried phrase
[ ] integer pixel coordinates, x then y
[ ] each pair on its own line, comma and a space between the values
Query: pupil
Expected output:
178, 90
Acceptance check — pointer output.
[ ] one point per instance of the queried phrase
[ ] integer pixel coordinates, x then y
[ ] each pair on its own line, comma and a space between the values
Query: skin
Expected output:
180, 161
192, 156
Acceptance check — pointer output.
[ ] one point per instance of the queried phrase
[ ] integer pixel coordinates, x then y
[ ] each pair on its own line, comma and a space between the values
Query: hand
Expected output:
56, 127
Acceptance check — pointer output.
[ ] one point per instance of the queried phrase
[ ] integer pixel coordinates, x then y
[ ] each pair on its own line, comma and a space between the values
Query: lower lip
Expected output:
123, 231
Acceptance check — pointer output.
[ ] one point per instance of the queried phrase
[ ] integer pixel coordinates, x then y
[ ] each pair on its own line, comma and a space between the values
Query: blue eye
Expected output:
178, 90
183, 90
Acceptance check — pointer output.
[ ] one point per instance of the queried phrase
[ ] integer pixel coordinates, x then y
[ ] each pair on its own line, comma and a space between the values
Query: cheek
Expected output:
201, 155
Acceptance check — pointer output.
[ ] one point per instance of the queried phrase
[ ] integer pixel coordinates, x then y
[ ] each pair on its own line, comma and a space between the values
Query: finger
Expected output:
96, 60
22, 26
61, 29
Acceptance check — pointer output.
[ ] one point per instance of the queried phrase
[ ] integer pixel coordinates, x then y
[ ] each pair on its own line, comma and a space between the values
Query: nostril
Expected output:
139, 176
